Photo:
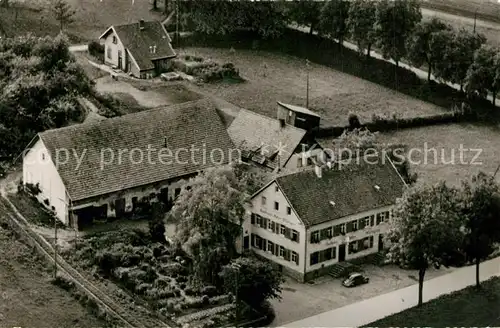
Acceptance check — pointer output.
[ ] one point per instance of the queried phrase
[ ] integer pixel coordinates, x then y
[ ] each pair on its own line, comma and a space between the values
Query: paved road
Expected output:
373, 309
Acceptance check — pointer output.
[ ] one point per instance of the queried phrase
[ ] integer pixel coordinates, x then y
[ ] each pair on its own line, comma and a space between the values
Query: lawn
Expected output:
91, 19
466, 308
447, 140
275, 77
27, 298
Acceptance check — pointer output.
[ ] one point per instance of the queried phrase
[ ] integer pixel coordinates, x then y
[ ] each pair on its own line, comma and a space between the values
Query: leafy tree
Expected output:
305, 12
251, 179
425, 229
422, 47
459, 55
481, 205
255, 280
395, 22
39, 85
208, 219
481, 75
62, 12
360, 24
155, 4
333, 19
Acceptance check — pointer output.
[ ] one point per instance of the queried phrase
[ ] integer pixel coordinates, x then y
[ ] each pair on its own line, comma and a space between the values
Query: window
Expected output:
342, 228
270, 246
115, 40
353, 247
314, 237
295, 236
381, 217
327, 254
270, 225
314, 259
299, 162
367, 222
258, 220
329, 232
276, 189
295, 258
109, 52
177, 192
43, 157
282, 251
282, 229
188, 188
276, 206
264, 201
354, 225
288, 210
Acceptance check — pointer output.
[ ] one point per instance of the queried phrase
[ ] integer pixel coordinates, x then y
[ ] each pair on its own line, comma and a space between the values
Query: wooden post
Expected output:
55, 248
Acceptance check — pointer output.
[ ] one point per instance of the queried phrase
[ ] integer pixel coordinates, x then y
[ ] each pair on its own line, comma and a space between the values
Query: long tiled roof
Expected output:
352, 189
252, 132
138, 42
179, 127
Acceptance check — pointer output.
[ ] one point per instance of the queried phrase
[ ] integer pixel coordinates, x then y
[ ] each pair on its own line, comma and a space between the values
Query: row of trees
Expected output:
395, 28
442, 225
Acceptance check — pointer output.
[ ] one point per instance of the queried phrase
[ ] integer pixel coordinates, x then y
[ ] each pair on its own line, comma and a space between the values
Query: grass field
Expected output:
91, 19
484, 9
27, 298
447, 140
275, 77
466, 308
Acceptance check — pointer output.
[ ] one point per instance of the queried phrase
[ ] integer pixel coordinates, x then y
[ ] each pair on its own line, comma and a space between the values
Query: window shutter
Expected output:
298, 239
276, 249
372, 220
263, 223
336, 230
252, 218
287, 233
296, 258
361, 223
348, 227
287, 254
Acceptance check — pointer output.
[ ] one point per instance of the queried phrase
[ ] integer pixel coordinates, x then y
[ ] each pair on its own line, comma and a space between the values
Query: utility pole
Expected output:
475, 18
177, 22
55, 247
496, 171
307, 84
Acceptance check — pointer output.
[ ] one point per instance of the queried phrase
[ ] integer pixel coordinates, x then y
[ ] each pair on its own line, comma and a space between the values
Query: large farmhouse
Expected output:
142, 49
105, 168
308, 221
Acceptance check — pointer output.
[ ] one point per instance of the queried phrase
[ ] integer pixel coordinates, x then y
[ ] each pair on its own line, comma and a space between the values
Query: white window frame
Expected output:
313, 239
329, 233
270, 225
296, 233
282, 229
294, 257
282, 252
342, 228
355, 225
382, 217
263, 201
270, 246
276, 206
367, 222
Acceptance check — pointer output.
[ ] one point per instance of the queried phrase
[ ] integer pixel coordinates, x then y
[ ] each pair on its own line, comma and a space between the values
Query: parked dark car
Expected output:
355, 279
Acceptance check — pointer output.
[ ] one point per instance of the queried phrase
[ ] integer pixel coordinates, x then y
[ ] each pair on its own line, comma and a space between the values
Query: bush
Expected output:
209, 290
354, 122
33, 189
96, 49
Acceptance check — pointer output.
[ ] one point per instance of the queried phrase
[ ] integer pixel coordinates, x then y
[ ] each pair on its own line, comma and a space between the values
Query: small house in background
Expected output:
141, 49
299, 117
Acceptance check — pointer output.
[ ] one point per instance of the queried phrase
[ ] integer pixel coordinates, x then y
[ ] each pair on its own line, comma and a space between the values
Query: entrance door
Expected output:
120, 207
342, 253
380, 242
120, 60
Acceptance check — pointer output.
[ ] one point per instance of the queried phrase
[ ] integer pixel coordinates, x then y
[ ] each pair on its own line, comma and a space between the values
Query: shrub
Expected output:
209, 290
190, 291
354, 121
141, 289
33, 189
96, 49
194, 303
205, 299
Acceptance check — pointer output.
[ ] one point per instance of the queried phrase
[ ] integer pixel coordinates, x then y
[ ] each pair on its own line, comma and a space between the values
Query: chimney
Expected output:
141, 24
282, 122
317, 170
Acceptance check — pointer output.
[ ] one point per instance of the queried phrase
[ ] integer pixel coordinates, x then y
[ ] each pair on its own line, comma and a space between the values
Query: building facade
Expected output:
306, 223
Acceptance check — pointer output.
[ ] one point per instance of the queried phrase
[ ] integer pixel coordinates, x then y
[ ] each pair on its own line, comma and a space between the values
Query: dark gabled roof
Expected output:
138, 41
193, 124
252, 132
352, 189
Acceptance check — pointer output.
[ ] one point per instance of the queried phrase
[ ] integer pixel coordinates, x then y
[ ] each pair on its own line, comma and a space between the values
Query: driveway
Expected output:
304, 300
372, 309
